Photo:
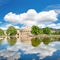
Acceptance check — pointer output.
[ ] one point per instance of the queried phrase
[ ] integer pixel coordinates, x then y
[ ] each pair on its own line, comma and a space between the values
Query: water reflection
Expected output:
12, 40
9, 55
1, 40
29, 48
46, 41
35, 42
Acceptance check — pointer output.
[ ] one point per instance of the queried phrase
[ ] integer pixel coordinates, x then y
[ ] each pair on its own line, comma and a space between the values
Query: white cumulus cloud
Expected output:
55, 26
31, 17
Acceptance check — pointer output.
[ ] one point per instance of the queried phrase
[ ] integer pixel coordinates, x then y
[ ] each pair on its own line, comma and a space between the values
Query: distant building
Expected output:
26, 31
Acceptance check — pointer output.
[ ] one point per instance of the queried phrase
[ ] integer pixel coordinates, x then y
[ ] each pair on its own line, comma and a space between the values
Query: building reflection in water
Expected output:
28, 45
34, 41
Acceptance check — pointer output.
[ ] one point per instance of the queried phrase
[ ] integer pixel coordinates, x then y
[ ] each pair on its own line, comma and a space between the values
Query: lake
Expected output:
12, 48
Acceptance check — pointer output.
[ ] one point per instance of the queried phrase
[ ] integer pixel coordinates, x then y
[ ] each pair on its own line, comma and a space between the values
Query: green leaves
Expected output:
36, 30
1, 32
11, 31
46, 30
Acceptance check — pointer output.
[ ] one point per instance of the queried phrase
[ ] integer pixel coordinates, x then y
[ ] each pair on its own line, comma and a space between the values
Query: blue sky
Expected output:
19, 7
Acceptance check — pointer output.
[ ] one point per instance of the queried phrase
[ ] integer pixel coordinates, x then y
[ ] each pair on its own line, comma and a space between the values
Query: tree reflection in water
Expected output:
46, 41
1, 40
35, 42
12, 40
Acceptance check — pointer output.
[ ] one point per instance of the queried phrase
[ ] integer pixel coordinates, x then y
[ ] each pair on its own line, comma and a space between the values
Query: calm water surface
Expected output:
29, 49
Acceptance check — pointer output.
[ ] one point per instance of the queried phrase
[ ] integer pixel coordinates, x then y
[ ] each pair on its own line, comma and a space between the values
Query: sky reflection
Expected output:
21, 50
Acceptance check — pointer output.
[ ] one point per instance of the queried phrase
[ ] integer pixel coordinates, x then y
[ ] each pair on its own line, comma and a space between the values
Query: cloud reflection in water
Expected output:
42, 51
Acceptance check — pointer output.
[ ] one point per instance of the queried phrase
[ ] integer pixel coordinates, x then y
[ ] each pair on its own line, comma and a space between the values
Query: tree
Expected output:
35, 42
46, 30
11, 31
1, 32
36, 30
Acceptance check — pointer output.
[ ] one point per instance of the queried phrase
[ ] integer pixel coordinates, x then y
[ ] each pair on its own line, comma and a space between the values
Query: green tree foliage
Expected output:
46, 30
12, 40
35, 42
1, 32
11, 31
36, 30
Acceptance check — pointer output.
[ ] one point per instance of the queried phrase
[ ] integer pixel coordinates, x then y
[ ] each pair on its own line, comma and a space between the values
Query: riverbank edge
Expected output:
41, 35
